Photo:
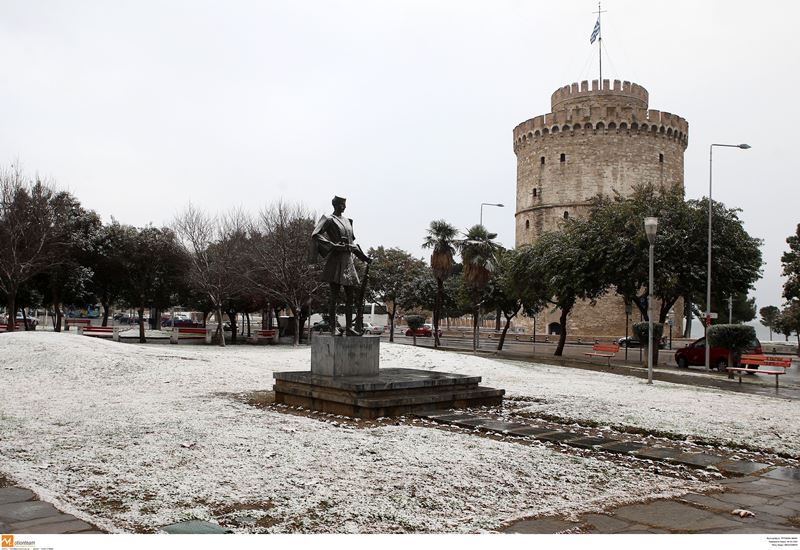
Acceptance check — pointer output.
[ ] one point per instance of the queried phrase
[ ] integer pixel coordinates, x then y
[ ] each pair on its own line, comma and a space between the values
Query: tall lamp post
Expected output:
650, 229
708, 270
489, 204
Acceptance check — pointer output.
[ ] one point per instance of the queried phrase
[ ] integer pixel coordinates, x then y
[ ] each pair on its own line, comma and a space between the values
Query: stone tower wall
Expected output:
597, 139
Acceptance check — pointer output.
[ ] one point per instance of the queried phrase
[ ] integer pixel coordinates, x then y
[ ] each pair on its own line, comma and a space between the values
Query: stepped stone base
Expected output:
392, 392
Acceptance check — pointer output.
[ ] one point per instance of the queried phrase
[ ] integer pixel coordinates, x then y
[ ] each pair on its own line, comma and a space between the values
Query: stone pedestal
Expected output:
345, 356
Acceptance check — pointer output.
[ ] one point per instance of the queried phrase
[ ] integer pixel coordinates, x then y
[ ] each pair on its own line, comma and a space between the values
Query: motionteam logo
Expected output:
7, 541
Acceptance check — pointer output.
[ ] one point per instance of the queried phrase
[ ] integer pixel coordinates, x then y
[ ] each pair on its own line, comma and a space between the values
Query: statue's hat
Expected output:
337, 198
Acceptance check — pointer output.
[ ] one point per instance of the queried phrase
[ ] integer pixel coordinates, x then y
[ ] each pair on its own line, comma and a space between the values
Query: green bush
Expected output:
640, 331
736, 338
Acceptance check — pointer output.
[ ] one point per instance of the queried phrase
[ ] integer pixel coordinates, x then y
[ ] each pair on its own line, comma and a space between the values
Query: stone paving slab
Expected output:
557, 437
785, 474
61, 528
452, 418
488, 424
741, 467
603, 523
23, 511
589, 442
656, 453
673, 516
15, 494
21, 526
531, 430
698, 460
623, 447
195, 527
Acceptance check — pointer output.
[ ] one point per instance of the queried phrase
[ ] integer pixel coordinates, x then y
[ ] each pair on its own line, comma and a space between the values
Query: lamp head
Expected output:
744, 146
650, 228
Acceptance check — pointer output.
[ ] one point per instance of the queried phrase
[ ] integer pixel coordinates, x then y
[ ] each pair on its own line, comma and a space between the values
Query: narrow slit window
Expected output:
542, 160
563, 157
527, 224
661, 157
534, 191
566, 215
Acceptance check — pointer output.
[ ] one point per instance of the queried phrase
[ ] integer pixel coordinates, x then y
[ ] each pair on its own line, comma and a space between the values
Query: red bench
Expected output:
266, 334
603, 350
190, 333
775, 361
77, 323
19, 325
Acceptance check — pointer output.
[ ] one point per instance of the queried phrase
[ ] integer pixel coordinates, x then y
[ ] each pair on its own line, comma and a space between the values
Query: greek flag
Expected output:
595, 32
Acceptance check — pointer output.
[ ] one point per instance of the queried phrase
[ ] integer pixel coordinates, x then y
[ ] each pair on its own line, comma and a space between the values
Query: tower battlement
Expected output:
618, 107
620, 93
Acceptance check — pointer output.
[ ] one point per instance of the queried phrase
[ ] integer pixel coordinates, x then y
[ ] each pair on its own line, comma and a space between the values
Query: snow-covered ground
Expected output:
134, 437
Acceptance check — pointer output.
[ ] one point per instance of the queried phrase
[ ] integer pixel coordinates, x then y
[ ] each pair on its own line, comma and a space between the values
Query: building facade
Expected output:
599, 138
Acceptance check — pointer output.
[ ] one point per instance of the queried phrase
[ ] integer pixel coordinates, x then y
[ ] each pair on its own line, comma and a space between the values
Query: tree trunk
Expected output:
505, 330
142, 339
475, 329
296, 313
247, 318
59, 321
437, 312
234, 325
106, 309
11, 308
24, 319
497, 315
687, 312
562, 338
391, 324
220, 330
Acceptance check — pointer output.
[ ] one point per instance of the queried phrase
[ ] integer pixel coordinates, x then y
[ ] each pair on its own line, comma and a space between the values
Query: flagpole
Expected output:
597, 32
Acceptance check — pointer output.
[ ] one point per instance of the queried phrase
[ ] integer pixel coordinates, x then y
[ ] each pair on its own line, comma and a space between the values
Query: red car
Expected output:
695, 354
424, 330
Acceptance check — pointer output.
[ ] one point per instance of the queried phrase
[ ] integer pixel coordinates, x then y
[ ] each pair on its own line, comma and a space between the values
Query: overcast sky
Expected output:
404, 107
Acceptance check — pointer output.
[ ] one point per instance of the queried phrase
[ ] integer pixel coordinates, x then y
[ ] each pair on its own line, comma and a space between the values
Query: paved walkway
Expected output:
769, 494
22, 512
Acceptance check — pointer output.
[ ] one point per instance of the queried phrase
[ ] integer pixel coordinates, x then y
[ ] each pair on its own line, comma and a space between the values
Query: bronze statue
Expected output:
333, 240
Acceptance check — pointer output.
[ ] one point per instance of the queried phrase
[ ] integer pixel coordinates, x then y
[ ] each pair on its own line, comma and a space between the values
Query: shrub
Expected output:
415, 320
736, 338
640, 330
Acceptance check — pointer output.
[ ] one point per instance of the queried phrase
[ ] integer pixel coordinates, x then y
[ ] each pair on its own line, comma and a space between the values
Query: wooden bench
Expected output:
77, 323
775, 361
190, 333
603, 350
18, 326
100, 332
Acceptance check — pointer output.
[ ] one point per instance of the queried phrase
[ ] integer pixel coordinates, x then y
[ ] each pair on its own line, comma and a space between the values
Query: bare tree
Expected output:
32, 234
214, 251
279, 242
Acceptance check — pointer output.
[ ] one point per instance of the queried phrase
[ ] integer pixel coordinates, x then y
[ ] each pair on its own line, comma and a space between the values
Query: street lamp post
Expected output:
708, 270
489, 204
628, 311
650, 229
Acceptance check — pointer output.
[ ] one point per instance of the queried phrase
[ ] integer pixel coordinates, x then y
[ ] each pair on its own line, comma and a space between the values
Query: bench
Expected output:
775, 361
194, 333
603, 350
113, 332
266, 334
19, 325
77, 323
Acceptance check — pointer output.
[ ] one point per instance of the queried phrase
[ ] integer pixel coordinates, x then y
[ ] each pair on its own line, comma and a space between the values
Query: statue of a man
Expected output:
333, 240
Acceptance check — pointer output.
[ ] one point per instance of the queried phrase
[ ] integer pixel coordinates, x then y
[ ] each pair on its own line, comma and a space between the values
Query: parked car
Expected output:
369, 328
695, 354
424, 330
631, 342
178, 322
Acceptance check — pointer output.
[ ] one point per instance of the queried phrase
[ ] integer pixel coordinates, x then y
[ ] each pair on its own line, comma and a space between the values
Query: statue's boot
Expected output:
353, 332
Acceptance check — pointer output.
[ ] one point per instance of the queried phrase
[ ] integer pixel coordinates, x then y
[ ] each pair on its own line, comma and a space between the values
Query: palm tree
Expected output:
478, 254
441, 238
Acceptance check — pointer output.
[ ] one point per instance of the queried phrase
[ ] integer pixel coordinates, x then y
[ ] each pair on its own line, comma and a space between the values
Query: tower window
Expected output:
534, 191
563, 157
542, 160
566, 215
661, 157
527, 224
